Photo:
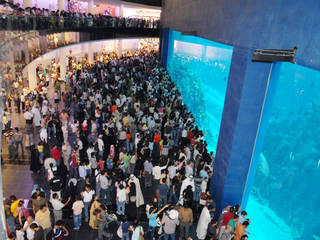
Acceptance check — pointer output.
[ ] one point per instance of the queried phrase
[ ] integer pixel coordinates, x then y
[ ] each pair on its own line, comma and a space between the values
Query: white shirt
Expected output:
57, 204
82, 172
100, 145
30, 232
28, 115
156, 172
121, 194
87, 196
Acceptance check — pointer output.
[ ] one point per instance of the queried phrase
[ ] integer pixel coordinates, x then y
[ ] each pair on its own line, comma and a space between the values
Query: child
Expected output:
19, 232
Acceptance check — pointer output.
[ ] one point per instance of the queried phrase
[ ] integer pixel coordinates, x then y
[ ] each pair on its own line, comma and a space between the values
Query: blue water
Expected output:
200, 69
284, 197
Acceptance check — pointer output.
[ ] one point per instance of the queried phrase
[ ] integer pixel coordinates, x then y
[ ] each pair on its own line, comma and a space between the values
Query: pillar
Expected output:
119, 47
61, 5
63, 64
121, 10
91, 7
32, 76
12, 65
27, 3
247, 86
26, 52
91, 52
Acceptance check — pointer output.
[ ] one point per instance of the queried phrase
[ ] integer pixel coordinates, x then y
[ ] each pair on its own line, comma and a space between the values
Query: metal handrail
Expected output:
27, 23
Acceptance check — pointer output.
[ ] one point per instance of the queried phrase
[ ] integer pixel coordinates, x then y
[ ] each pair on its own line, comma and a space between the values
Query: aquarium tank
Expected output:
283, 186
200, 69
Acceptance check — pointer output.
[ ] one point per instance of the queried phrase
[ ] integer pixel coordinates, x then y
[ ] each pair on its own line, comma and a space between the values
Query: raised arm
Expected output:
162, 209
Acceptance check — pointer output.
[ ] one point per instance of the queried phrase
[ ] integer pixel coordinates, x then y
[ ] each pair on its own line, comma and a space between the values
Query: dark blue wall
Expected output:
245, 96
251, 23
246, 25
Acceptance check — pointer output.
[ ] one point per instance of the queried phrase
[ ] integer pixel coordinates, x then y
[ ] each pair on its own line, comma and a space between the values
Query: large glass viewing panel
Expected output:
200, 69
284, 186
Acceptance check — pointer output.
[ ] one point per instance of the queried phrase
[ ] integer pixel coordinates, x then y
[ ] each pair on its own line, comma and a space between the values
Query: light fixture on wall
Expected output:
274, 55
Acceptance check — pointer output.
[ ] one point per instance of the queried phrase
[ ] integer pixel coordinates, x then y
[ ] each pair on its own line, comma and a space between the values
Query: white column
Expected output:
119, 47
90, 52
61, 4
27, 3
90, 7
121, 10
32, 76
12, 65
26, 52
63, 64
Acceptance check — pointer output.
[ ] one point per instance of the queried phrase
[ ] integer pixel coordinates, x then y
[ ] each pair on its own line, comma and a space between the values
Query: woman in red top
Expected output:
157, 138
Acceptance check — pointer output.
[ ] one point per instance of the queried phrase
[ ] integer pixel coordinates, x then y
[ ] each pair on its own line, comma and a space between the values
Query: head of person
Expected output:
164, 180
211, 208
34, 227
13, 198
244, 213
58, 224
21, 203
87, 187
235, 217
244, 237
214, 222
55, 196
228, 229
43, 207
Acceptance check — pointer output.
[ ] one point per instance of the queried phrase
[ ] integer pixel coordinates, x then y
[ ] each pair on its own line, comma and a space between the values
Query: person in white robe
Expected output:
204, 220
139, 196
36, 115
189, 181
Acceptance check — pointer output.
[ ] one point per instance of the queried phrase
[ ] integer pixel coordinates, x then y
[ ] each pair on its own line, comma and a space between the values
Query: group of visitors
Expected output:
119, 132
41, 18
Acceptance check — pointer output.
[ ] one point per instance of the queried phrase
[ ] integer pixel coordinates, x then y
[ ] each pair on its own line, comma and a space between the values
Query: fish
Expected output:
263, 166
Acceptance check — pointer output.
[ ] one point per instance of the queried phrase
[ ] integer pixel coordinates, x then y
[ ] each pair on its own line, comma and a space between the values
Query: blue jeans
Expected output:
172, 236
121, 207
74, 172
162, 201
86, 211
105, 196
125, 236
77, 221
172, 197
152, 230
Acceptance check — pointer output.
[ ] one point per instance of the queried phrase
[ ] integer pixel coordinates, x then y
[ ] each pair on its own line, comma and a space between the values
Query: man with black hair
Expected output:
57, 205
186, 220
163, 192
39, 233
212, 230
43, 218
56, 184
105, 188
87, 195
59, 231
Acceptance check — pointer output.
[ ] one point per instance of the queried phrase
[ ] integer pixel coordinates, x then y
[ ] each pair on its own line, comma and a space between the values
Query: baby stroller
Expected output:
110, 228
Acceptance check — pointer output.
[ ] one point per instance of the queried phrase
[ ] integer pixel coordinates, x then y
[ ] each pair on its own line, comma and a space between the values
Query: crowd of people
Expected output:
118, 132
13, 16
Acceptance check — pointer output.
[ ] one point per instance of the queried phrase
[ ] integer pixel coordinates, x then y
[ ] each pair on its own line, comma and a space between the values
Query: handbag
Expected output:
119, 231
141, 237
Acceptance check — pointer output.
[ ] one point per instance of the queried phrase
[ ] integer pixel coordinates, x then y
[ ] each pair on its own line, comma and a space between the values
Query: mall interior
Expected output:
159, 119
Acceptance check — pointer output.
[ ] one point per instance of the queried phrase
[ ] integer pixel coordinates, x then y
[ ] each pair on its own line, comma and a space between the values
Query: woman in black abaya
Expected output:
35, 165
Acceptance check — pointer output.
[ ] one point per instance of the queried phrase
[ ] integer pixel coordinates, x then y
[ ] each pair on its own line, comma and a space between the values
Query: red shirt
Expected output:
101, 165
226, 218
55, 154
156, 138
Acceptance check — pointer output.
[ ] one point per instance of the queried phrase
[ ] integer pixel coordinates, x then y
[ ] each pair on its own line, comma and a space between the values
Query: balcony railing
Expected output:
27, 23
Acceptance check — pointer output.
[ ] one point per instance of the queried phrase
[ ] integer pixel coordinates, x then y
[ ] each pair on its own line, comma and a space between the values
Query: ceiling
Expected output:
147, 2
